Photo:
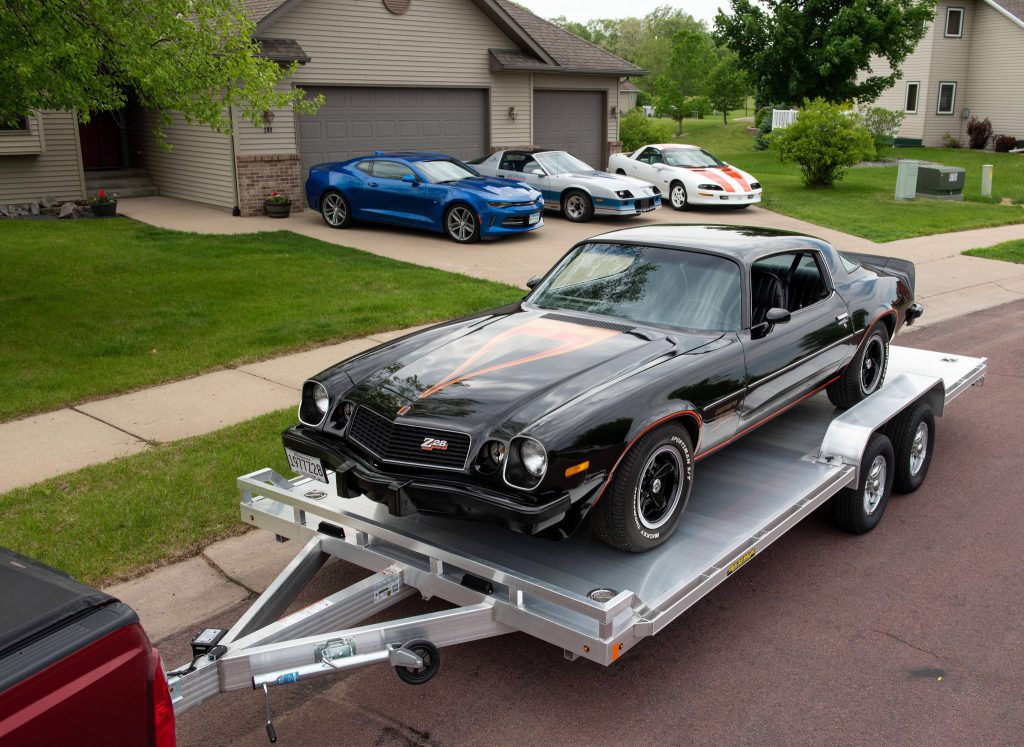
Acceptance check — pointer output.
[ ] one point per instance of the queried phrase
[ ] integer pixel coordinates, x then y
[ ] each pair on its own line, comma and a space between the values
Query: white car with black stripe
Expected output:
570, 186
689, 175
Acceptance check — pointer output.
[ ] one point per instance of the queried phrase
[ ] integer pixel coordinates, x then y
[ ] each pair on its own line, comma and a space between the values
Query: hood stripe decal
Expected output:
572, 336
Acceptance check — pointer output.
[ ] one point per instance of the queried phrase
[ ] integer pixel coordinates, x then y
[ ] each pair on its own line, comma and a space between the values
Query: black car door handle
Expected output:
371, 184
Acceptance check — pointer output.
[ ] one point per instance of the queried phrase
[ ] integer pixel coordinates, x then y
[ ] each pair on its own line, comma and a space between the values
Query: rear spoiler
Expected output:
892, 266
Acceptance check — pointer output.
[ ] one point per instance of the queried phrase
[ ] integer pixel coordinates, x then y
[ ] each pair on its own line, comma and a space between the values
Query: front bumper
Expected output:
504, 221
405, 493
631, 206
704, 197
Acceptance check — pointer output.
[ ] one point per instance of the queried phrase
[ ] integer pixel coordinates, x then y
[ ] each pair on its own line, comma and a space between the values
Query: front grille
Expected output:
517, 220
402, 444
645, 203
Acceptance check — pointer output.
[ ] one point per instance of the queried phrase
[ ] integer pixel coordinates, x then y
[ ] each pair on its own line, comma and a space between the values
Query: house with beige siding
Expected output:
464, 77
970, 63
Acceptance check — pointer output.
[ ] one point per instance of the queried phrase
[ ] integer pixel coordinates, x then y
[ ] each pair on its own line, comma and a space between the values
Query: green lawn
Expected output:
1008, 251
863, 203
116, 519
96, 307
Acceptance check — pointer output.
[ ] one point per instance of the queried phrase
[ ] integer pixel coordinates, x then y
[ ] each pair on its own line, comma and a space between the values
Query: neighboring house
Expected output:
970, 63
465, 77
627, 97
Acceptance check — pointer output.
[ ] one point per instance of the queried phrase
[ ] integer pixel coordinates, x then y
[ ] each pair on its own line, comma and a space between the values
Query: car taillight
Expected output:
163, 710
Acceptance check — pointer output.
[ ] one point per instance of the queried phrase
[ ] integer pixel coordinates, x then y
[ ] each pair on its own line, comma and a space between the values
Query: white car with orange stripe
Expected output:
689, 175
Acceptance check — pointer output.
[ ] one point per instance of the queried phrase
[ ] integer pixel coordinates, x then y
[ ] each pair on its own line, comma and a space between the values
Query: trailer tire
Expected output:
431, 657
859, 509
912, 433
866, 372
649, 491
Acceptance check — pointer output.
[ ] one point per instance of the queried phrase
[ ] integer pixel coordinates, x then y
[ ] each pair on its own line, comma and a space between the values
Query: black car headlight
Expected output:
624, 194
755, 185
526, 462
656, 190
500, 204
314, 404
712, 187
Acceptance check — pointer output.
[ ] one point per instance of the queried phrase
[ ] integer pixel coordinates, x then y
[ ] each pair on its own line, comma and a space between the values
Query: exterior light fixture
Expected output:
268, 121
512, 113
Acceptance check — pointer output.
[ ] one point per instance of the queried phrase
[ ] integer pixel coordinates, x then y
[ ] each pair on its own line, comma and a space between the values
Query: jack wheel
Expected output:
431, 657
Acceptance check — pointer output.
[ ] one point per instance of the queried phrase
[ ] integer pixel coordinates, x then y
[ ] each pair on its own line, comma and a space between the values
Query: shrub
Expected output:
697, 107
979, 132
1004, 143
637, 130
950, 141
763, 120
883, 125
824, 141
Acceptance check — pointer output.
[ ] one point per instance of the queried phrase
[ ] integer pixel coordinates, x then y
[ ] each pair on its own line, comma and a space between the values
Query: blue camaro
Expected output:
423, 190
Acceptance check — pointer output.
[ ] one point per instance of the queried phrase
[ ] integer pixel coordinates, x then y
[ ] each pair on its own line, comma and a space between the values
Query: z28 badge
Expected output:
434, 444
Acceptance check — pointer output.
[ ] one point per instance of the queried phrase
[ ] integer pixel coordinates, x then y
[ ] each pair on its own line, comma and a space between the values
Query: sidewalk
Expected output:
230, 571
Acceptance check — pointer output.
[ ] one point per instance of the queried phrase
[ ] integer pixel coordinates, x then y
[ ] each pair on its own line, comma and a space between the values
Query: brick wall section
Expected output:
259, 175
614, 146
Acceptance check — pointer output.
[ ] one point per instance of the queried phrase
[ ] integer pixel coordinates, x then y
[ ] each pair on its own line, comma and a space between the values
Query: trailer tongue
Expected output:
580, 594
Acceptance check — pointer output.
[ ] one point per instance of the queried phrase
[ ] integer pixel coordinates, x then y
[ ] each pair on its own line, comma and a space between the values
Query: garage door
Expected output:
357, 121
572, 121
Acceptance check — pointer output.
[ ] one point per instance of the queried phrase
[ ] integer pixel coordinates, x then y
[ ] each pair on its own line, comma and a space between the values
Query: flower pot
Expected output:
104, 209
277, 209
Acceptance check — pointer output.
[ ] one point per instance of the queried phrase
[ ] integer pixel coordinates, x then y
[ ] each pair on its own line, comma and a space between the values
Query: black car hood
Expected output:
511, 369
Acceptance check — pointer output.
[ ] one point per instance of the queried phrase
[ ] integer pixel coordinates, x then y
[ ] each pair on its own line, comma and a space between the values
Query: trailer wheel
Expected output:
866, 372
641, 507
431, 657
859, 509
913, 438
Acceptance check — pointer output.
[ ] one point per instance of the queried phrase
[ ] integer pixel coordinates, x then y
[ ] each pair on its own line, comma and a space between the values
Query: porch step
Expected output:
122, 182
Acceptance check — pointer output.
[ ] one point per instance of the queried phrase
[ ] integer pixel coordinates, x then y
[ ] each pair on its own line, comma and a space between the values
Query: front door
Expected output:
101, 142
786, 361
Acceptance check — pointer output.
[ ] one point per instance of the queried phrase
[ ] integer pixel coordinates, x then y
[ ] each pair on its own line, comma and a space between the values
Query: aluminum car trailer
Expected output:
580, 595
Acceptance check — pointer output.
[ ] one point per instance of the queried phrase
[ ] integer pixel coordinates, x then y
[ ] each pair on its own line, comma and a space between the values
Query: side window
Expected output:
365, 166
512, 162
791, 281
390, 169
650, 155
807, 285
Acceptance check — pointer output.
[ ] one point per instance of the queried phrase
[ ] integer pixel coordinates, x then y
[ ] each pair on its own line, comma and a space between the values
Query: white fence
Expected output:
782, 118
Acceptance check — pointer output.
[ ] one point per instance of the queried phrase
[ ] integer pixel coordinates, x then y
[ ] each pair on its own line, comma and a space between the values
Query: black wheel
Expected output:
912, 433
677, 196
577, 206
648, 494
335, 210
431, 657
860, 508
866, 372
620, 171
461, 224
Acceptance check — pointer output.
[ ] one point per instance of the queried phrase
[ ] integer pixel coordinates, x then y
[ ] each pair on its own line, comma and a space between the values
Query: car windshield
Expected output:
440, 172
646, 285
691, 158
560, 162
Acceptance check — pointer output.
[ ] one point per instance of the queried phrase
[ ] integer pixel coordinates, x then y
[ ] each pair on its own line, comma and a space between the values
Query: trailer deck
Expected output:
581, 595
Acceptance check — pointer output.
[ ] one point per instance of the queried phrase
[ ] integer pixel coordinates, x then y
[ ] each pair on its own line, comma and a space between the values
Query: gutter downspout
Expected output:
236, 211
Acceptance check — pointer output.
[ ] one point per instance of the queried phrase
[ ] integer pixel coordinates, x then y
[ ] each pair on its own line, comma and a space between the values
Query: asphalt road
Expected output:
911, 634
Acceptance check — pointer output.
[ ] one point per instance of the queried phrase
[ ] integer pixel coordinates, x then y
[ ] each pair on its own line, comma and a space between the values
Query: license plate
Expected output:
307, 466
534, 218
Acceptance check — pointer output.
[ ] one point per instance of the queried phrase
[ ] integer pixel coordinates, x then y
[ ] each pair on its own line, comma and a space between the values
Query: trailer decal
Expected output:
738, 563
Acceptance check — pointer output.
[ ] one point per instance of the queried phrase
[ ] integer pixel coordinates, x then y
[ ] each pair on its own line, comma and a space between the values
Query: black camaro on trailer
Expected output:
582, 595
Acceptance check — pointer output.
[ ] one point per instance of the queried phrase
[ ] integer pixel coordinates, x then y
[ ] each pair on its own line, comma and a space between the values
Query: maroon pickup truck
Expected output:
75, 665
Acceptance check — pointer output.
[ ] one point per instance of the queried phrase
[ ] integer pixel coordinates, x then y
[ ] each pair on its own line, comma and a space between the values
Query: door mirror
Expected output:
536, 171
410, 179
533, 282
777, 316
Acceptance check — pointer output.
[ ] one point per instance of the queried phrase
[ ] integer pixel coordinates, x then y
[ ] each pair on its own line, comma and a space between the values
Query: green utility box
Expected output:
940, 182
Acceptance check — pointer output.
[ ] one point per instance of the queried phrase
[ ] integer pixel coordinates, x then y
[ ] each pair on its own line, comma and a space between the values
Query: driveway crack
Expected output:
908, 643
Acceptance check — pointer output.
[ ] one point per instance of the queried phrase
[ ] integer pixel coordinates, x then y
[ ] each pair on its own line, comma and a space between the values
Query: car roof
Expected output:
745, 244
408, 155
674, 146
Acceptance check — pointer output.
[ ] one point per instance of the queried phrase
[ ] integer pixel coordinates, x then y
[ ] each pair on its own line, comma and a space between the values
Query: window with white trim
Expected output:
910, 101
954, 23
947, 98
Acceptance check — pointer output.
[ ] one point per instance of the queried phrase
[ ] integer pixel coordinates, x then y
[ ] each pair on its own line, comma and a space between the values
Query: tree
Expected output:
824, 140
195, 58
799, 49
670, 101
726, 85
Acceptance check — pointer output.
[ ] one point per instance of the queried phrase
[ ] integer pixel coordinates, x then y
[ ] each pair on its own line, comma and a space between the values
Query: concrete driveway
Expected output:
910, 634
511, 260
